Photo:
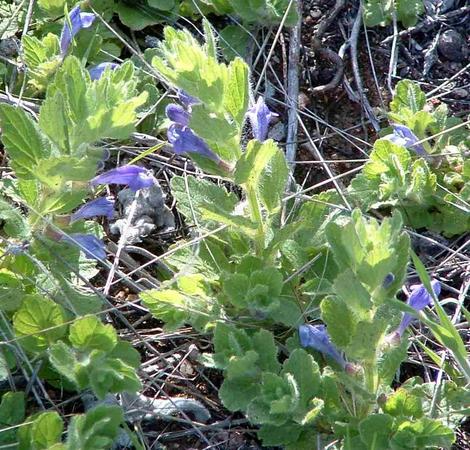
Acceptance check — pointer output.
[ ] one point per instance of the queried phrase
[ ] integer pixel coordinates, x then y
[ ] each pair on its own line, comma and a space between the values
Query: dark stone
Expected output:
452, 46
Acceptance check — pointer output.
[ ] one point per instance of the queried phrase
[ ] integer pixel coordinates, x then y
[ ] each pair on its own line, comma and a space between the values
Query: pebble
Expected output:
452, 46
315, 13
460, 93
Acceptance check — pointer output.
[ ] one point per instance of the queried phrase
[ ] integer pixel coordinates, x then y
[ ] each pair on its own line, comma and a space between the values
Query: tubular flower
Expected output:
418, 299
184, 140
260, 116
90, 245
133, 176
403, 136
178, 114
78, 20
97, 71
317, 337
102, 206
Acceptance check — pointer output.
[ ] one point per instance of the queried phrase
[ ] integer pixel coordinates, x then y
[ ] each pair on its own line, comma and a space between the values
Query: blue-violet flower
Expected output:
102, 206
90, 245
403, 136
78, 20
178, 114
317, 337
260, 116
133, 176
96, 72
418, 299
184, 140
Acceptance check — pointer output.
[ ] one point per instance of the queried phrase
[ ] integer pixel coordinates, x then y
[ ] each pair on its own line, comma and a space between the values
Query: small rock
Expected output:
315, 13
452, 46
460, 93
9, 47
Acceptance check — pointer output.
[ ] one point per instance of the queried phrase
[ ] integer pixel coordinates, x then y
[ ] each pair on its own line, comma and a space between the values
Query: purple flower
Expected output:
102, 206
133, 176
317, 337
78, 20
88, 243
418, 299
178, 114
403, 136
97, 71
260, 116
184, 140
186, 99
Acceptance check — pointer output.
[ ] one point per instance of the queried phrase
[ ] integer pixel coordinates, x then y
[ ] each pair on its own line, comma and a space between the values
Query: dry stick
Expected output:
392, 68
292, 98
355, 66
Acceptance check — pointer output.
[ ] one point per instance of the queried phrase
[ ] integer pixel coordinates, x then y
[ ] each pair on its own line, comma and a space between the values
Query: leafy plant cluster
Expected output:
45, 309
266, 269
380, 12
260, 277
432, 191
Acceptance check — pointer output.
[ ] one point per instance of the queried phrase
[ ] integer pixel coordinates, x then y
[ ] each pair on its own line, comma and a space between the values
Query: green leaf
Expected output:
255, 159
340, 321
63, 359
42, 57
360, 347
375, 431
25, 143
45, 431
408, 11
95, 430
377, 12
408, 96
39, 323
186, 64
53, 8
108, 375
11, 16
168, 305
78, 111
390, 360
90, 333
279, 435
236, 94
404, 403
306, 373
278, 399
237, 393
273, 181
428, 433
15, 225
12, 412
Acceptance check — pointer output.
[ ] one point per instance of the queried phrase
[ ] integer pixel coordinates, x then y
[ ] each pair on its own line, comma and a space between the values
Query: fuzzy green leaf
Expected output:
39, 323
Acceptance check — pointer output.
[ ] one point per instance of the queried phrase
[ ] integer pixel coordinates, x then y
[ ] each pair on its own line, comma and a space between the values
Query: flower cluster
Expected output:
180, 136
76, 21
134, 177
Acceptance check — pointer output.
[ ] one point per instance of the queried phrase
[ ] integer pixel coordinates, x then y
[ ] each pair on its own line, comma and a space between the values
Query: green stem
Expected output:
257, 217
